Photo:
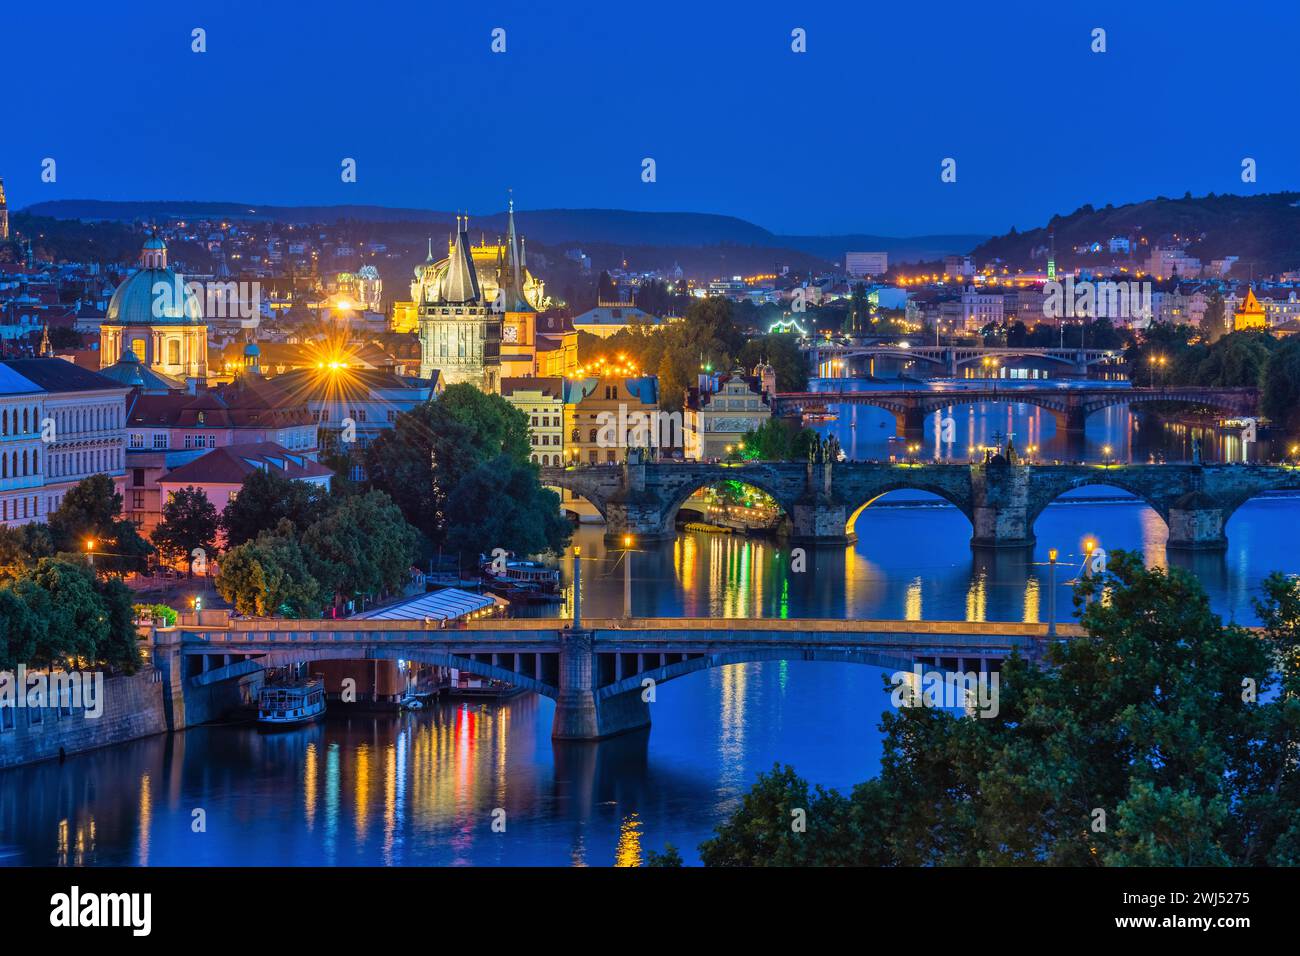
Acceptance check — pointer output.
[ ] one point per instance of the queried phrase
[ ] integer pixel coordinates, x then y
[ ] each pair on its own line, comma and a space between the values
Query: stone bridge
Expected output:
1001, 499
949, 359
1069, 406
597, 671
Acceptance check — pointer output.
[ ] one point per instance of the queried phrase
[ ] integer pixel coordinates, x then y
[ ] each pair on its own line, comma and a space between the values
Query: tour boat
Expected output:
290, 705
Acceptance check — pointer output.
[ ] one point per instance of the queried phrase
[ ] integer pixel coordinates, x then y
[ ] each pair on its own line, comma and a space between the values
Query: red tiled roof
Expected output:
231, 464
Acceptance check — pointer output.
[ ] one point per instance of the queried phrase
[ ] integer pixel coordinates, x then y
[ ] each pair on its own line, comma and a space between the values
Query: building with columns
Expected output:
155, 316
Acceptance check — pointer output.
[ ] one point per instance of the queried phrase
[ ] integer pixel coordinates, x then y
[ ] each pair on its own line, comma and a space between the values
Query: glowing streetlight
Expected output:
90, 551
1051, 593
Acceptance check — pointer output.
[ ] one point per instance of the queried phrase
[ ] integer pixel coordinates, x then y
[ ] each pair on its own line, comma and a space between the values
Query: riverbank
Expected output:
133, 707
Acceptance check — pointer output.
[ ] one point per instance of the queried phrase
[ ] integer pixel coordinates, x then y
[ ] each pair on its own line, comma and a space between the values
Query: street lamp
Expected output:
1089, 546
628, 541
1105, 455
90, 551
1051, 593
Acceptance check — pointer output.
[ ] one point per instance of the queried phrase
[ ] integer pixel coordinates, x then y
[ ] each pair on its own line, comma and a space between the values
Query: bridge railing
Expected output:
307, 631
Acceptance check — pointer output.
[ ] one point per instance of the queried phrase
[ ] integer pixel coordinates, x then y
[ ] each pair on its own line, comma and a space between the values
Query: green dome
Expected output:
133, 302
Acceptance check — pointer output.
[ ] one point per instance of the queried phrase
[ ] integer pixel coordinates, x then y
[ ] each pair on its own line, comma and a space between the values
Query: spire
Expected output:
460, 284
46, 350
430, 259
514, 292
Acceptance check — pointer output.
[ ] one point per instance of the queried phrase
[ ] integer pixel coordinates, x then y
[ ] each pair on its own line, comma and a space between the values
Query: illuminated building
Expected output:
610, 318
858, 264
460, 334
59, 423
363, 289
155, 315
603, 417
1250, 314
542, 400
4, 213
721, 409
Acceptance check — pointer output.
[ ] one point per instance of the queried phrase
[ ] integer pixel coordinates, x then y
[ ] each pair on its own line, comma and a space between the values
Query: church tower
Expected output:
460, 332
519, 318
4, 213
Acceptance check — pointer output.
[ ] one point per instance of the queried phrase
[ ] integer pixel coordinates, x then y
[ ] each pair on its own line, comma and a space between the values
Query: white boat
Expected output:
290, 705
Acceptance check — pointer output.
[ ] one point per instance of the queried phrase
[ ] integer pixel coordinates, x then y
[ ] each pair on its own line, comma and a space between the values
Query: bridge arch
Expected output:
961, 503
754, 478
668, 672
1044, 495
1229, 504
362, 651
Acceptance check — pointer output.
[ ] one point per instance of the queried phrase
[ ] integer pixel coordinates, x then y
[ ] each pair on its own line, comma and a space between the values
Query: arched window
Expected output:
173, 351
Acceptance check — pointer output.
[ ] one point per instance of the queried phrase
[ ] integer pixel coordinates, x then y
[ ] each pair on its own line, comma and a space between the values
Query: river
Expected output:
425, 788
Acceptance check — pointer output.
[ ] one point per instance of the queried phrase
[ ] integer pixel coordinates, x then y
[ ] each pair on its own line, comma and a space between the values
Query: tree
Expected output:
670, 857
1174, 731
782, 352
782, 822
420, 461
778, 440
501, 505
364, 546
268, 575
264, 499
1214, 323
1280, 398
22, 546
498, 427
91, 512
189, 523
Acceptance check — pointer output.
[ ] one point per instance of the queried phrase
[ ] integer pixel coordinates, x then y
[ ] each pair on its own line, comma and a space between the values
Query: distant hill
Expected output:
1263, 231
550, 226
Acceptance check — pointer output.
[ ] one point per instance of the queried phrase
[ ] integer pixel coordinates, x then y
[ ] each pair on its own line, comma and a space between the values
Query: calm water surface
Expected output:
420, 789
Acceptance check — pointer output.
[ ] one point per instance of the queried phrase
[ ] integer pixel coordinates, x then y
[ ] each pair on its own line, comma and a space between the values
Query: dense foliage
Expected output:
458, 469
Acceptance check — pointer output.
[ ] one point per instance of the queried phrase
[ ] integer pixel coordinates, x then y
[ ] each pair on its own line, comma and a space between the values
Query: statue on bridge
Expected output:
824, 450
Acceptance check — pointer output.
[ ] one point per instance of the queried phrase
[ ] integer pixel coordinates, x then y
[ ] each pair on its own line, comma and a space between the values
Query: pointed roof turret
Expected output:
460, 284
513, 280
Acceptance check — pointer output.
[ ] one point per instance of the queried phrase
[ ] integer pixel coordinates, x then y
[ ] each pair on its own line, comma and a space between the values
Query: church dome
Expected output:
154, 295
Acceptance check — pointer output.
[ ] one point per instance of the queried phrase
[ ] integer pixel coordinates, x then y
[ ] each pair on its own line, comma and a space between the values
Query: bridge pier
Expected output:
1001, 505
910, 425
1196, 524
579, 713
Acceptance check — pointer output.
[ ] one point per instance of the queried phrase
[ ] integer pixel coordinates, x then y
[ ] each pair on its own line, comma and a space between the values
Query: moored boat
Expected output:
281, 706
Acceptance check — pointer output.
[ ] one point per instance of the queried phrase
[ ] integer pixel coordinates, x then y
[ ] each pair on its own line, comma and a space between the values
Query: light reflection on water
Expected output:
422, 788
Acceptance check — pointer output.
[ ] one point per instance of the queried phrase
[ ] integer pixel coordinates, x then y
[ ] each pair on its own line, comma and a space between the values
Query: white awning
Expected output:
445, 605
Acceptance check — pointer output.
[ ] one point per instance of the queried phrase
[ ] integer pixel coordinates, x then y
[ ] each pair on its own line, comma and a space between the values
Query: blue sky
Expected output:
847, 137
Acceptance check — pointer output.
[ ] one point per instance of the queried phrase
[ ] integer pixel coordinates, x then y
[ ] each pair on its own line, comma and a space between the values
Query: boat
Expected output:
292, 704
530, 582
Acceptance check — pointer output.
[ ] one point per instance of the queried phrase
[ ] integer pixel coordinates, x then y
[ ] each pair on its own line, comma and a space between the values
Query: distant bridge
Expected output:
1070, 407
598, 672
949, 359
1001, 499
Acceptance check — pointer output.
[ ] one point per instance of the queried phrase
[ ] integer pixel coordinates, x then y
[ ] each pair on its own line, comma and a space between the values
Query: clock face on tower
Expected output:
510, 333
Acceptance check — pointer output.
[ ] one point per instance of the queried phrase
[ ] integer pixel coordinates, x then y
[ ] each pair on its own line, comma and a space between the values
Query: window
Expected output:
137, 440
137, 501
160, 440
173, 351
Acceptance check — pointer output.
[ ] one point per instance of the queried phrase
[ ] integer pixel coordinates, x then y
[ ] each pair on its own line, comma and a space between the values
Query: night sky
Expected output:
847, 137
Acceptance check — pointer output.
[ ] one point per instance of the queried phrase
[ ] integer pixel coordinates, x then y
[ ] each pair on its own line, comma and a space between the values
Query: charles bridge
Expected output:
1001, 497
1069, 406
